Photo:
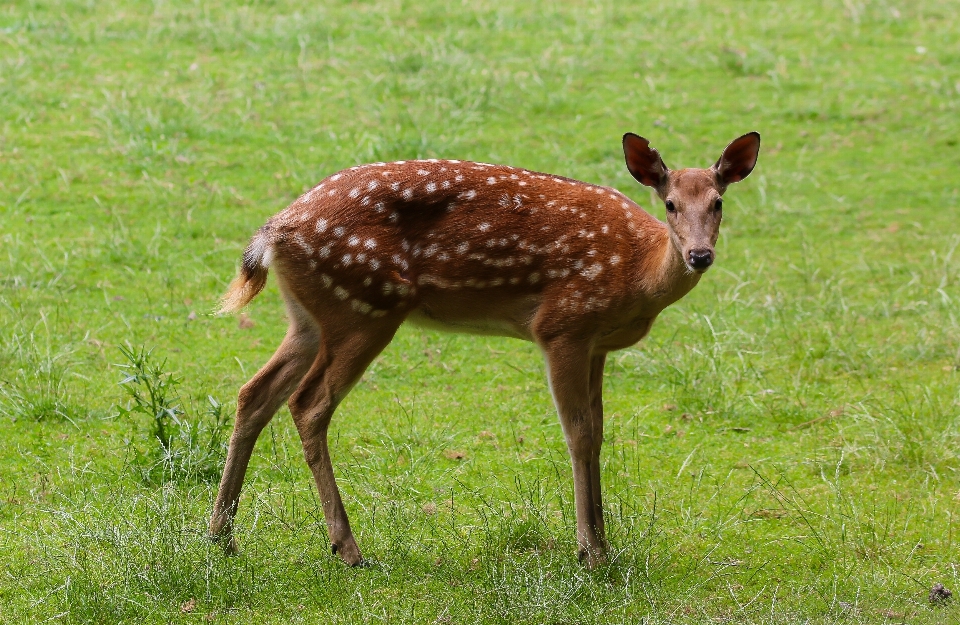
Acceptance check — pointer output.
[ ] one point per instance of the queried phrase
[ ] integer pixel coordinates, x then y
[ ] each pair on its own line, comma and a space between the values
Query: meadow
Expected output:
783, 447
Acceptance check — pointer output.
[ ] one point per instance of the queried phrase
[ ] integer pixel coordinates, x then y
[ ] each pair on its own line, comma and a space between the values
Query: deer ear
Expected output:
644, 162
738, 159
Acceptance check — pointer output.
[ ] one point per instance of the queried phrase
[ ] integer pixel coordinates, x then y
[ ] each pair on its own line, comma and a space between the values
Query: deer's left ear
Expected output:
738, 159
643, 162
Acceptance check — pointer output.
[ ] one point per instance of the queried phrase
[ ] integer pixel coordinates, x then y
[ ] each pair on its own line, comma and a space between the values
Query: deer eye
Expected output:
671, 208
719, 205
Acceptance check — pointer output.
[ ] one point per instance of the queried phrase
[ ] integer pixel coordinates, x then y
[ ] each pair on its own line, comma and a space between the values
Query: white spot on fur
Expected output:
367, 281
372, 185
306, 247
360, 306
534, 277
431, 187
491, 180
352, 241
336, 177
423, 172
339, 231
341, 293
346, 259
374, 264
326, 280
321, 225
379, 207
325, 250
592, 271
483, 227
463, 247
354, 192
614, 260
408, 194
370, 244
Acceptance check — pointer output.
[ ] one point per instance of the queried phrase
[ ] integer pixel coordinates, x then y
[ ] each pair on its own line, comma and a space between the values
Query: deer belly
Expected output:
491, 318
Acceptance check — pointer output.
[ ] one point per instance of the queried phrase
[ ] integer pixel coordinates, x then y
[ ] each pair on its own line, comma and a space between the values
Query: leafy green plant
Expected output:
186, 448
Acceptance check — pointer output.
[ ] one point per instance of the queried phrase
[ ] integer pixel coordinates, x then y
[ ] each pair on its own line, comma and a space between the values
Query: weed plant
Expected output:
182, 448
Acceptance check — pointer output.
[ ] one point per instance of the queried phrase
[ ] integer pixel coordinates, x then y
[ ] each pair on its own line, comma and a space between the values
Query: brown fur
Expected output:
579, 269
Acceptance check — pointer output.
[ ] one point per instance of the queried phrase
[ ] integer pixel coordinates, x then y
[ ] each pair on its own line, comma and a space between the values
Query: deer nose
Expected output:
701, 259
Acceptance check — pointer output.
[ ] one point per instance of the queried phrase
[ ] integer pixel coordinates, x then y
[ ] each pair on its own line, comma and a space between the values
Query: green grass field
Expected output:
783, 448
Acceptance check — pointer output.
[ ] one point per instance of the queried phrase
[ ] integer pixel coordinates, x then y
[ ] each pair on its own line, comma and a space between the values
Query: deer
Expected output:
579, 269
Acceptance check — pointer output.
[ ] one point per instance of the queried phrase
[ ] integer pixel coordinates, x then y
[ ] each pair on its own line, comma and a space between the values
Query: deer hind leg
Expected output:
345, 353
568, 367
596, 415
258, 401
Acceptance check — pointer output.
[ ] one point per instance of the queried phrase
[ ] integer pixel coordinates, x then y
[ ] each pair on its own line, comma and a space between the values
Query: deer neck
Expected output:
670, 278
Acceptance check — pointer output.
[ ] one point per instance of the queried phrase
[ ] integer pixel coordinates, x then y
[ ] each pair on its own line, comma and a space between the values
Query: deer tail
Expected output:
253, 272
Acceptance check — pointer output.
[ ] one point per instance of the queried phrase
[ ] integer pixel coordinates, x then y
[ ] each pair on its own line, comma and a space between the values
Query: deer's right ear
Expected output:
738, 159
643, 161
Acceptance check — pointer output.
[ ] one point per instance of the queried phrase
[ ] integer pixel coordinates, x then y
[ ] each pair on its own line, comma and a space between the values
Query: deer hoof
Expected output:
591, 557
348, 552
227, 541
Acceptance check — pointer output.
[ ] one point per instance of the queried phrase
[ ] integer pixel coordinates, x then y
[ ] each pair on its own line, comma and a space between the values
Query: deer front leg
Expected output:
596, 415
568, 369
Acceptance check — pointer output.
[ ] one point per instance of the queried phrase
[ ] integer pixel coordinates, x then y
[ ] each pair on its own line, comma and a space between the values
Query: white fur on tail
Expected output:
253, 273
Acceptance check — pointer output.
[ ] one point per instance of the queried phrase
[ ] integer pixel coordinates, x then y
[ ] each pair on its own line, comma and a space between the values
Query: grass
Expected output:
783, 448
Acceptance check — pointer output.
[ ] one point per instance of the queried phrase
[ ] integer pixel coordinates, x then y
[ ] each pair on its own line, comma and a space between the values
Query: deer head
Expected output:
693, 197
